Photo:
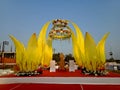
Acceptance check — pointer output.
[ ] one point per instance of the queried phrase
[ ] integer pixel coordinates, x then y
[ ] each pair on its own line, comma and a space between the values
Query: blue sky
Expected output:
21, 18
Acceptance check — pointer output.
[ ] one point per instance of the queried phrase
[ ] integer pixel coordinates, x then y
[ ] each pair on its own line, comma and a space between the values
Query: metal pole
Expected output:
0, 47
3, 47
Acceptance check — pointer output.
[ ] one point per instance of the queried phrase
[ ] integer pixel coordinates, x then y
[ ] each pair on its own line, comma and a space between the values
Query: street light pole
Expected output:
3, 46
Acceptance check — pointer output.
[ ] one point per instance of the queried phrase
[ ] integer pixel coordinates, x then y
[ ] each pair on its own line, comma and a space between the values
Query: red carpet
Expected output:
57, 87
47, 73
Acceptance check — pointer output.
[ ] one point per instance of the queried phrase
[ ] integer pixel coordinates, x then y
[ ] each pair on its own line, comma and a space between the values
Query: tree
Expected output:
56, 57
69, 57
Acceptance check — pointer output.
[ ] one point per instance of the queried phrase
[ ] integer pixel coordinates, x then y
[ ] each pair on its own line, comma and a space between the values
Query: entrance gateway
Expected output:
88, 55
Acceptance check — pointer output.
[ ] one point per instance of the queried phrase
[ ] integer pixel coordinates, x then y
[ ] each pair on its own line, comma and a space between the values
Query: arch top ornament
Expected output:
60, 29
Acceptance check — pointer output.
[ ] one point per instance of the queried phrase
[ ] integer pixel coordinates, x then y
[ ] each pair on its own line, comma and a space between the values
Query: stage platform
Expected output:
63, 77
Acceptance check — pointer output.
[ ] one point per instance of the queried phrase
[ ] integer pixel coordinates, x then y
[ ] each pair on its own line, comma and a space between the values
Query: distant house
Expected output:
7, 59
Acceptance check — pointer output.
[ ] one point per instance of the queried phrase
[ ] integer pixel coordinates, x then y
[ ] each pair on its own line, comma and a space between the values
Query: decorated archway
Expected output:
39, 50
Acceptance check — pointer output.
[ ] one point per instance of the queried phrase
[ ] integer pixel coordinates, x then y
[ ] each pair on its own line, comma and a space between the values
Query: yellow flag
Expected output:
31, 53
101, 49
19, 52
90, 51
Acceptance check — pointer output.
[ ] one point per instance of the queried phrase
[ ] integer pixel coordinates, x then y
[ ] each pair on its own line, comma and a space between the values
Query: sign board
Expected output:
115, 68
52, 66
71, 66
76, 67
